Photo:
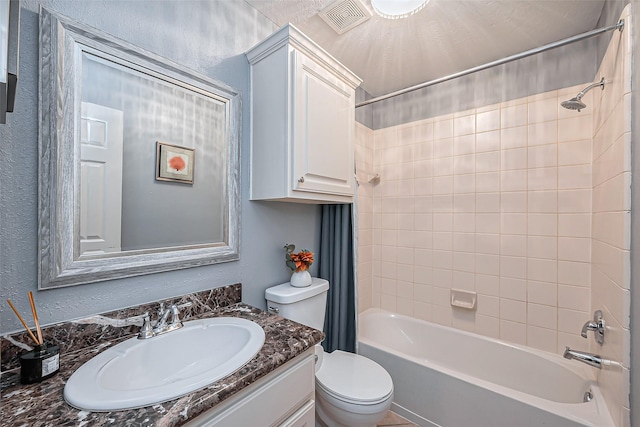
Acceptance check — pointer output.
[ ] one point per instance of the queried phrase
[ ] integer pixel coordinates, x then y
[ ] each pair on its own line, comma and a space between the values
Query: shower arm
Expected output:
584, 91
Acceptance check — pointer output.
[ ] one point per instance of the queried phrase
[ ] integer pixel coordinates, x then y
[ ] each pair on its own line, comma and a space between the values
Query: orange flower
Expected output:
302, 260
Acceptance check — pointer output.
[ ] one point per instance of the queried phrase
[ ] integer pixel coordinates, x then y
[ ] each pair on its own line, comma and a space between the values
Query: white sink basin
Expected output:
138, 373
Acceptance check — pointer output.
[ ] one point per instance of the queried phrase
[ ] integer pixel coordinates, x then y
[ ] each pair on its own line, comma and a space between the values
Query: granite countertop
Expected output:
43, 404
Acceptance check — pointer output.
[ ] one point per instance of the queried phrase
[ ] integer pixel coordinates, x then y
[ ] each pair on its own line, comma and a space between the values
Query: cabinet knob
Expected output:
301, 180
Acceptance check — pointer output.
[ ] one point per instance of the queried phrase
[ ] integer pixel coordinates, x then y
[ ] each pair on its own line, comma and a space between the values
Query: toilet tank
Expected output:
303, 305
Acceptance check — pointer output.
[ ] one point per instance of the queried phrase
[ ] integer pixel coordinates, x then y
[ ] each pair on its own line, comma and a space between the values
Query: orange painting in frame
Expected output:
174, 163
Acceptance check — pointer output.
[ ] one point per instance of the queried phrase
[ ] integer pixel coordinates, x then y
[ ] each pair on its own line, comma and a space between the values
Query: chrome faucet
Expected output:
584, 357
162, 326
597, 326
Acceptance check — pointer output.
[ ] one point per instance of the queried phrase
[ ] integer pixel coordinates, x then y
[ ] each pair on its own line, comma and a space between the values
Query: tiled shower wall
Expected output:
495, 200
611, 220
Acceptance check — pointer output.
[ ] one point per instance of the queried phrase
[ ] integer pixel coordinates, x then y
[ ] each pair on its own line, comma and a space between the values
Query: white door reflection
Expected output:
100, 179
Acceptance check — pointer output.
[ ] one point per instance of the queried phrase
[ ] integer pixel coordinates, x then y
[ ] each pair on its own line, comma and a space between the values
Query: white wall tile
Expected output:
543, 110
543, 178
543, 201
543, 316
514, 180
574, 129
464, 144
574, 152
542, 156
464, 125
513, 223
488, 284
464, 164
487, 202
489, 120
574, 249
515, 158
542, 133
487, 182
574, 201
574, 225
513, 137
574, 273
573, 177
514, 116
513, 245
464, 183
542, 270
488, 223
574, 297
545, 247
542, 224
443, 148
515, 311
443, 129
513, 202
488, 162
513, 288
513, 267
488, 243
489, 141
543, 293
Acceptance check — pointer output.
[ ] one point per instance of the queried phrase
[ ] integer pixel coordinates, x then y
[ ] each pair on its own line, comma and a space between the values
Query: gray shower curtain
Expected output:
336, 265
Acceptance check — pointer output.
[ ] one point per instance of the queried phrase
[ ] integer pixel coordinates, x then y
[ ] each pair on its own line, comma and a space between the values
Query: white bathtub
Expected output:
451, 378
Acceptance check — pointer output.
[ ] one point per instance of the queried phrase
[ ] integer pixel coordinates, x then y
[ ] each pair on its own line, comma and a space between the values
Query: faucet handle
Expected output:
175, 318
146, 331
597, 326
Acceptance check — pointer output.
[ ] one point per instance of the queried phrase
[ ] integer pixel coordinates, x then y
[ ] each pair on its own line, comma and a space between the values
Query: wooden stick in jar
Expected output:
23, 322
35, 318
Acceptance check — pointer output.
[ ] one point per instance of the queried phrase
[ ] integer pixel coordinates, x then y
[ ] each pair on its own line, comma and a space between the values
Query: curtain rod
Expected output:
619, 26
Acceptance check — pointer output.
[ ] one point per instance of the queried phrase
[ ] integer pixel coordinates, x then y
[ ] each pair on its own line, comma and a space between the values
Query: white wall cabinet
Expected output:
302, 121
283, 398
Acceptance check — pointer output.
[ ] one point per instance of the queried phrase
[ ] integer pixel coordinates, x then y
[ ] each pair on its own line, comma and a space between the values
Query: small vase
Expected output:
300, 279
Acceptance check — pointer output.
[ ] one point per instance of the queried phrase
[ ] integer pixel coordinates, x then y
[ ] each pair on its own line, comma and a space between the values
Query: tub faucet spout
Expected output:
584, 357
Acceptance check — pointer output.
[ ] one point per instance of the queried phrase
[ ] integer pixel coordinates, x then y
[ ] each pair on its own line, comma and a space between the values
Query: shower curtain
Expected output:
336, 264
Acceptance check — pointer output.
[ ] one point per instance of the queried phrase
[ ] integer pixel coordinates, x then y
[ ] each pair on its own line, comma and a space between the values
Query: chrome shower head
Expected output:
576, 103
573, 104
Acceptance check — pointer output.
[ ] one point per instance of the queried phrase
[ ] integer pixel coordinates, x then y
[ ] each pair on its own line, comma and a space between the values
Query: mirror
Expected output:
139, 160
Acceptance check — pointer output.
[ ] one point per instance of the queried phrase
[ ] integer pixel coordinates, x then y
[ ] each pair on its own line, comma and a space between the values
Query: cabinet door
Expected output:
323, 118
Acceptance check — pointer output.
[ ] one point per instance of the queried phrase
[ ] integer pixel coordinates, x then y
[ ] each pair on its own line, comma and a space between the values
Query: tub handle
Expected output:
597, 326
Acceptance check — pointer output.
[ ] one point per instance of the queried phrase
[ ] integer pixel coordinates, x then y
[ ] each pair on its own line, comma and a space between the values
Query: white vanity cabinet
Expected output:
284, 397
302, 121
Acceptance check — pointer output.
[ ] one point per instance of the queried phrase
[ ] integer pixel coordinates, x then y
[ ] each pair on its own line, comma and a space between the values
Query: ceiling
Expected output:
445, 37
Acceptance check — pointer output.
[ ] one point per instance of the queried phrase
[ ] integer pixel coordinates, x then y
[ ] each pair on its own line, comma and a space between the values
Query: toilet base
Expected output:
328, 415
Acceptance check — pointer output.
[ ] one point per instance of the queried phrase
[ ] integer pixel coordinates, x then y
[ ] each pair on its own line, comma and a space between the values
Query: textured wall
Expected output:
206, 36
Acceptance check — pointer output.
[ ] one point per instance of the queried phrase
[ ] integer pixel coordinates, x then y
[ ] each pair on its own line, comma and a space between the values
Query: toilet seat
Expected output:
354, 379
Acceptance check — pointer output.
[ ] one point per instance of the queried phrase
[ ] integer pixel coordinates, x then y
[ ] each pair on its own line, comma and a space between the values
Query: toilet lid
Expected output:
354, 378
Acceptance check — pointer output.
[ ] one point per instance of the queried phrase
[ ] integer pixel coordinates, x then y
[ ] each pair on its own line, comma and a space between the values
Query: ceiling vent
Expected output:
343, 15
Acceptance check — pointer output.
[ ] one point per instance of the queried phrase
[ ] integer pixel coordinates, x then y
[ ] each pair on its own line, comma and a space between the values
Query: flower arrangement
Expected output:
297, 262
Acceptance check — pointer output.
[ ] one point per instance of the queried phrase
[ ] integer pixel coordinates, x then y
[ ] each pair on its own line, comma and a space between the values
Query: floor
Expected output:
395, 420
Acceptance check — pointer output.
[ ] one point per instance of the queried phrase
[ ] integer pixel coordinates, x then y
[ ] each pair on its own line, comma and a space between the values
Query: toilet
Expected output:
351, 390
